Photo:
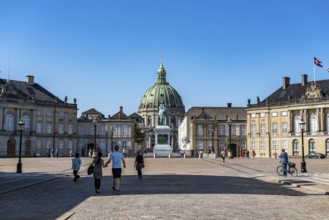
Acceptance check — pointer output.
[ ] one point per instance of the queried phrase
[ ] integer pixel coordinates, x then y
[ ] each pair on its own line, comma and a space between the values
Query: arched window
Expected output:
313, 124
295, 148
26, 120
10, 123
296, 124
149, 121
311, 147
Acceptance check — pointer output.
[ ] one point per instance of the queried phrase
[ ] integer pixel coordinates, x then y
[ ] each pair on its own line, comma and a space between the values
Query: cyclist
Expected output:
284, 161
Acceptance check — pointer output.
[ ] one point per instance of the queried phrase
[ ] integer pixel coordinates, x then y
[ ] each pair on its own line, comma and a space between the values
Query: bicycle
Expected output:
290, 169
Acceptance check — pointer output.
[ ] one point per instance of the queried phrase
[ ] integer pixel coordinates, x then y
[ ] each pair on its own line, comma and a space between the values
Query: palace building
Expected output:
213, 129
49, 122
51, 126
274, 123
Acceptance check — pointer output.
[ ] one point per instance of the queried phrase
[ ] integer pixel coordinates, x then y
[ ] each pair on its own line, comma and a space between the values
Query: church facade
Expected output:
161, 93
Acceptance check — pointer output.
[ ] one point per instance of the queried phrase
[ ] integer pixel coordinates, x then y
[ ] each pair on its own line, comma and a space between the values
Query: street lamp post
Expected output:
95, 128
19, 164
229, 121
303, 164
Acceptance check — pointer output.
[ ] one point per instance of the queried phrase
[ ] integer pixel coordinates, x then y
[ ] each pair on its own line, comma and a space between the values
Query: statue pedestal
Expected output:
162, 141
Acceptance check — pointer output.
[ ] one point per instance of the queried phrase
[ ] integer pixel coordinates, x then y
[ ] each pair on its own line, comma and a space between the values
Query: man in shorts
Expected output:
116, 157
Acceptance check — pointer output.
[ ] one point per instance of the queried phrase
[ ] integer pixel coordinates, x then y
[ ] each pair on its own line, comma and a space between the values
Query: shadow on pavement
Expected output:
59, 195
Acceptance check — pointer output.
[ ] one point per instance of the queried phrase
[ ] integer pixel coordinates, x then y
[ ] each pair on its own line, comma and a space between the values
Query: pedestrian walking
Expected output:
247, 153
253, 153
98, 163
116, 157
139, 164
223, 155
284, 161
76, 163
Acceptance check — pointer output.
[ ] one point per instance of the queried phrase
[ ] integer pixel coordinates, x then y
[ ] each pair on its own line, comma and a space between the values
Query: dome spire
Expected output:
161, 73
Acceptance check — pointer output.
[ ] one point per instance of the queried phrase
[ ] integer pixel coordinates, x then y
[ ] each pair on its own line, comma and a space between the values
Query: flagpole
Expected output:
314, 72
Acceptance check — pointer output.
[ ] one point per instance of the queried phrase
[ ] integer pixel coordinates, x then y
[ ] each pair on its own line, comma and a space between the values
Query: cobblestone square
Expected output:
174, 188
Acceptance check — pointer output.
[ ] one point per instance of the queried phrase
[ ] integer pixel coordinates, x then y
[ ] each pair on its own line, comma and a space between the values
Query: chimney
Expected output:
286, 81
229, 105
121, 108
30, 79
304, 79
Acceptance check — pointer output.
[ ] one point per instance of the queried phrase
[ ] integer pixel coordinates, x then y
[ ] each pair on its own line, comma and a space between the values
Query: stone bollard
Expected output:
169, 156
184, 156
154, 155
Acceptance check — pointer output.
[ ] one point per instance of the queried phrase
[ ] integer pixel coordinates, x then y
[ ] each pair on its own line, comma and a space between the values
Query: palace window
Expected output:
274, 128
312, 146
233, 130
221, 129
243, 145
10, 123
200, 145
295, 148
125, 130
242, 130
26, 120
262, 129
49, 126
284, 144
199, 130
253, 129
253, 145
262, 145
284, 127
61, 129
313, 124
69, 129
210, 130
69, 145
221, 145
274, 145
297, 120
61, 144
80, 129
39, 127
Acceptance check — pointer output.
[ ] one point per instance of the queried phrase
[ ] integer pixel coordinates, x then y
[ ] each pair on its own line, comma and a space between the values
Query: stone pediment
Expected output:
313, 91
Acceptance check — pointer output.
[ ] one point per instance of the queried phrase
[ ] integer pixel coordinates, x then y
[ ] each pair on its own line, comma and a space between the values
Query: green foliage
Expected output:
139, 135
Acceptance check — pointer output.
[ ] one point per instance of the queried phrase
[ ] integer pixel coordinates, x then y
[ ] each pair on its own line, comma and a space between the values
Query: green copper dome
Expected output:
161, 91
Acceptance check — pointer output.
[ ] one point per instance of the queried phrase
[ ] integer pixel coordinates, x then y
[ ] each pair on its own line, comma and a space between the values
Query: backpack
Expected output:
140, 159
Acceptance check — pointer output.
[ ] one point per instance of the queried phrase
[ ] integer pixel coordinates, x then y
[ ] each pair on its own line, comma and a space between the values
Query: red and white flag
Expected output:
317, 62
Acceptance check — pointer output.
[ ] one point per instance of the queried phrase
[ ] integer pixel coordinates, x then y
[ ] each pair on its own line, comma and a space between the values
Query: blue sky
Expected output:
106, 53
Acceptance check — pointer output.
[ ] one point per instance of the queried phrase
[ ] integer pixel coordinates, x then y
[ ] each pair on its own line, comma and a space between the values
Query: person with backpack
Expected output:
139, 164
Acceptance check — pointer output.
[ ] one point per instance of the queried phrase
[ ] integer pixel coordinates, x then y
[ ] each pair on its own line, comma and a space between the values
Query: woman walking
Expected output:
76, 162
139, 164
98, 163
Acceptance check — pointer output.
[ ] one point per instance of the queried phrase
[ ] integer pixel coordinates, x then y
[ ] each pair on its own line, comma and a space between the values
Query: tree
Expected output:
139, 134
